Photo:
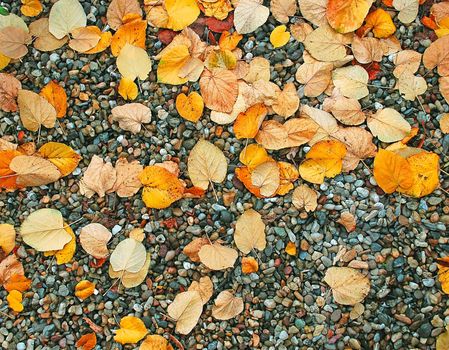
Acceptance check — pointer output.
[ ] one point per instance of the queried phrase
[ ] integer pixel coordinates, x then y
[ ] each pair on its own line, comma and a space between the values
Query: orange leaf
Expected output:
31, 8
56, 96
347, 15
381, 23
14, 299
190, 107
17, 282
413, 132
244, 175
248, 123
84, 289
133, 33
193, 192
388, 3
249, 265
254, 155
87, 341
429, 23
288, 174
7, 176
229, 41
290, 249
219, 89
61, 155
392, 171
127, 89
443, 275
103, 44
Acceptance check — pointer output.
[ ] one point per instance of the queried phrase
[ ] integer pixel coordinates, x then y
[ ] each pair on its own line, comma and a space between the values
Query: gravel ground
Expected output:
287, 305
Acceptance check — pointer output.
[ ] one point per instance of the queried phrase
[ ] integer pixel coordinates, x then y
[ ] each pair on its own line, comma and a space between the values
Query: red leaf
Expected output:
97, 262
218, 26
166, 36
429, 23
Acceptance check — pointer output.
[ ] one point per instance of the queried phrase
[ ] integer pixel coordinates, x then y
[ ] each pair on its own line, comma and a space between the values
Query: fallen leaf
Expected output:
64, 255
248, 123
31, 8
259, 69
314, 11
406, 61
103, 44
443, 340
287, 102
17, 282
388, 125
33, 171
315, 76
84, 289
133, 62
9, 267
14, 299
132, 33
94, 238
14, 41
127, 182
190, 107
347, 15
444, 123
436, 55
305, 197
186, 310
229, 41
99, 178
408, 10
410, 86
118, 9
131, 331
346, 110
132, 279
172, 60
283, 9
161, 188
290, 249
266, 177
349, 286
392, 171
352, 81
7, 238
43, 39
348, 221
217, 257
227, 306
181, 13
44, 230
155, 342
9, 90
219, 89
35, 111
65, 16
56, 96
87, 341
326, 45
129, 255
443, 269
288, 174
249, 265
222, 59
300, 30
131, 116
206, 164
380, 22
249, 15
249, 232
367, 50
279, 36
325, 159
253, 155
204, 287
61, 155
84, 38
12, 20
192, 249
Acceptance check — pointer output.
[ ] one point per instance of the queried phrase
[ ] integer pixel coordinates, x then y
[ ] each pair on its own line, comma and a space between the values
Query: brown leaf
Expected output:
117, 10
131, 116
9, 89
267, 178
305, 197
349, 286
217, 257
316, 77
282, 9
13, 41
367, 50
346, 110
84, 38
436, 55
34, 171
192, 249
35, 111
186, 309
44, 40
98, 178
127, 182
204, 287
287, 101
94, 238
406, 61
219, 89
227, 306
9, 267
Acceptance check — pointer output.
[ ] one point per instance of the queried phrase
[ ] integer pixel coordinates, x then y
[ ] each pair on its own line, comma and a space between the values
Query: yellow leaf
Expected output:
392, 171
288, 174
381, 23
56, 96
279, 36
155, 342
254, 155
190, 107
168, 70
64, 255
218, 9
223, 59
325, 159
17, 282
248, 123
181, 13
31, 8
103, 44
443, 340
61, 155
133, 62
7, 238
290, 249
161, 188
128, 89
132, 329
4, 61
14, 299
84, 289
443, 273
133, 33
249, 265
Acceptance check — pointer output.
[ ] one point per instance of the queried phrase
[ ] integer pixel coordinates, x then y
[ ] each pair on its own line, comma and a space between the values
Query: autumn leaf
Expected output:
132, 279
325, 44
290, 249
248, 123
9, 267
43, 39
94, 238
161, 188
204, 287
190, 107
128, 89
99, 178
227, 306
61, 155
266, 177
288, 173
388, 125
129, 255
31, 8
7, 238
249, 232
349, 286
192, 249
87, 341
14, 41
254, 155
17, 282
14, 299
347, 15
171, 62
249, 265
392, 171
56, 96
117, 10
287, 101
33, 171
217, 257
249, 15
181, 13
133, 62
9, 90
283, 9
305, 197
155, 342
380, 22
127, 181
186, 310
279, 36
85, 38
229, 41
65, 16
84, 289
131, 331
132, 33
314, 11
64, 255
219, 89
408, 10
35, 111
352, 81
131, 116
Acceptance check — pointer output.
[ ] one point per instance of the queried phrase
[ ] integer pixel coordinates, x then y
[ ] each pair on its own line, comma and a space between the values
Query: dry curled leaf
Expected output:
127, 182
94, 238
249, 265
84, 289
249, 232
87, 341
227, 306
17, 282
186, 310
287, 101
99, 178
349, 286
131, 116
9, 267
305, 197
